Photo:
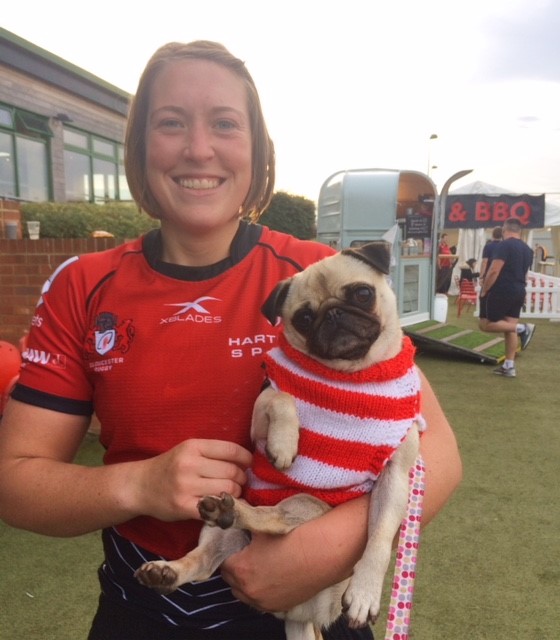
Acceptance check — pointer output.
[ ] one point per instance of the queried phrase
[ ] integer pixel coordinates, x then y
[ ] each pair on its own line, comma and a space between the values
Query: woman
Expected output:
163, 338
444, 265
468, 271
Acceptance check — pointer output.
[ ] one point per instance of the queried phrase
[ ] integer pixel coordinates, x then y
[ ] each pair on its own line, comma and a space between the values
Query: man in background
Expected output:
488, 251
503, 294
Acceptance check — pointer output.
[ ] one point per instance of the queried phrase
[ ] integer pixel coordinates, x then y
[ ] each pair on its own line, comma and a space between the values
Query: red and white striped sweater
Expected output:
350, 425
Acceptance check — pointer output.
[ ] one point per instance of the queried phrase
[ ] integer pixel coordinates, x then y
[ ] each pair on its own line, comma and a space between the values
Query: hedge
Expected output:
80, 220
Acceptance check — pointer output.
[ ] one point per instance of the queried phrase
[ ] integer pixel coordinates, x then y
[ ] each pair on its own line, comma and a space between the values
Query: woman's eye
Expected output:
170, 123
225, 125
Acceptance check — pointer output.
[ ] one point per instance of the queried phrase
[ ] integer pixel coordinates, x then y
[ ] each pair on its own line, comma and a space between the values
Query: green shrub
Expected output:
291, 214
79, 220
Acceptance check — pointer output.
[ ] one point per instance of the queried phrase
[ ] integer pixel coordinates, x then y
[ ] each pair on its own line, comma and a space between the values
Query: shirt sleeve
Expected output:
53, 375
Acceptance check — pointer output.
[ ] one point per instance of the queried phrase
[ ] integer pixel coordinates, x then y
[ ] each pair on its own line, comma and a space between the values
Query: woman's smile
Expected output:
198, 183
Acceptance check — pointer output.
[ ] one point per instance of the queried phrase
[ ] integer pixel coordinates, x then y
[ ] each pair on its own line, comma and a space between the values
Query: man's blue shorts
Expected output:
497, 306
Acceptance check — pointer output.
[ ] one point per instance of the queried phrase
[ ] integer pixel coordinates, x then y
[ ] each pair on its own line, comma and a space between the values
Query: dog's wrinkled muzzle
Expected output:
342, 334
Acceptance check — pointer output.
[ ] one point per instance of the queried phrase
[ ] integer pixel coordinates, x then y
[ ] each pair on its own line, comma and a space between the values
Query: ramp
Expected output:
458, 342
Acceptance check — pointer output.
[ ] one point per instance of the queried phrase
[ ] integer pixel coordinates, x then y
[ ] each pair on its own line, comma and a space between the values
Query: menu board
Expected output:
417, 226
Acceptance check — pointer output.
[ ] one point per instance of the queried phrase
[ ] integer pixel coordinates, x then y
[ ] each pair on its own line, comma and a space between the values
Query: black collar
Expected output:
245, 239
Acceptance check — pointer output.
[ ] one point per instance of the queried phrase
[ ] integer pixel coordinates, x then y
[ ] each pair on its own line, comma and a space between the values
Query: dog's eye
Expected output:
362, 295
303, 320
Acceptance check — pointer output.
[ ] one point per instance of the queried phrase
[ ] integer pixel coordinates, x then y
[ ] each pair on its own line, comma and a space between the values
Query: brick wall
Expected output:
9, 212
24, 266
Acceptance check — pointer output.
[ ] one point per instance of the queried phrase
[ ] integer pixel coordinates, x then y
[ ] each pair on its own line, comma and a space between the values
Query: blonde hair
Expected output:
262, 147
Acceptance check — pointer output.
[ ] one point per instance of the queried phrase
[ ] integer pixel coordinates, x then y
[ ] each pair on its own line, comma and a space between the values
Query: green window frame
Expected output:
93, 168
24, 155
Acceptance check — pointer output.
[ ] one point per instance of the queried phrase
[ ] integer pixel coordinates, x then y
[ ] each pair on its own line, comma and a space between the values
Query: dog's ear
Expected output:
272, 308
377, 254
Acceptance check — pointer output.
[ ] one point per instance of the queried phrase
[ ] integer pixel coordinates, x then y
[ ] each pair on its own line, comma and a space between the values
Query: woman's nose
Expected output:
199, 143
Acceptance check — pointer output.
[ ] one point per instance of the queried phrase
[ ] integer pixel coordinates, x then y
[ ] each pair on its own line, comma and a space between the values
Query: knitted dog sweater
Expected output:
350, 425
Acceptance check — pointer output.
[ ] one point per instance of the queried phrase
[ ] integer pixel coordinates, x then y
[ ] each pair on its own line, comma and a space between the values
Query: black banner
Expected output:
475, 211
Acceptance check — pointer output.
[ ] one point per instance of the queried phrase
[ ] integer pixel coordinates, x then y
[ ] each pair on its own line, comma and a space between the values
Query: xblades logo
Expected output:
192, 311
187, 306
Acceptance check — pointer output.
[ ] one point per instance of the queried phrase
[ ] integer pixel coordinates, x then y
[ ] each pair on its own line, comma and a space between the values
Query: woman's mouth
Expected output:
199, 183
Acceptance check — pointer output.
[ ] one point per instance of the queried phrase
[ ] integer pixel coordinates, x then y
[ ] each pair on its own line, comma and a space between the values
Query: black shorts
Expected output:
115, 621
497, 306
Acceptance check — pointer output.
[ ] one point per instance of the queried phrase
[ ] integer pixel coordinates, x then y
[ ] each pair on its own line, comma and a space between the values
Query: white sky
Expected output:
353, 83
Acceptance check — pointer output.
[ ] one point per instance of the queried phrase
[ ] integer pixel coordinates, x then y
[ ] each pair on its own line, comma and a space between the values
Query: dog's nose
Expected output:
333, 316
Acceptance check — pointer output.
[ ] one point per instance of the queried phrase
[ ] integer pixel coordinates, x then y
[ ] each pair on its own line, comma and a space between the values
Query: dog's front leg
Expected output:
214, 546
275, 420
362, 599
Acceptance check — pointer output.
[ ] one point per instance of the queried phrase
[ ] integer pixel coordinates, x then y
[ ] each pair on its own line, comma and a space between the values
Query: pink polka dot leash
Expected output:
400, 605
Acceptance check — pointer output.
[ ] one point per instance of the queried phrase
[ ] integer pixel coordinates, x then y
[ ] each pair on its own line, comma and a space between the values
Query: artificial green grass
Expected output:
490, 563
454, 333
489, 566
473, 340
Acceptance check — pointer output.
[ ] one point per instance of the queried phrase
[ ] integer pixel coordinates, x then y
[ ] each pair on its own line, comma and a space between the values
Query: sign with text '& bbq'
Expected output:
475, 211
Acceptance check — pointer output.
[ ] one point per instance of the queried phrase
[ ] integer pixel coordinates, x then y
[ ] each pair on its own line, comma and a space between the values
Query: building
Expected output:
61, 139
61, 129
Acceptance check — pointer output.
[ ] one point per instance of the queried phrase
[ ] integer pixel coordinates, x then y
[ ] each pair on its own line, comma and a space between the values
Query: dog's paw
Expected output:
359, 608
216, 511
281, 458
157, 575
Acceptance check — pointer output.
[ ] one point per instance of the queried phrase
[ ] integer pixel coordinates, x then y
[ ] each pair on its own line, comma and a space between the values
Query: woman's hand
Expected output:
42, 490
169, 486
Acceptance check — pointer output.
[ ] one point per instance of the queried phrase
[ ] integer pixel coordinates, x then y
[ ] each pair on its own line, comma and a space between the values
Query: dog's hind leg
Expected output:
302, 631
226, 511
214, 546
361, 600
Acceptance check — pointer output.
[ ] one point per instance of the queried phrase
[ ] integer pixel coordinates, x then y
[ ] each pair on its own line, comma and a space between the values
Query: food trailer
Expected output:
360, 205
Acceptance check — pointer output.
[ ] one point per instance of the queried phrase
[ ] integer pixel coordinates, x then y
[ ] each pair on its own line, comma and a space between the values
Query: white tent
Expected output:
552, 210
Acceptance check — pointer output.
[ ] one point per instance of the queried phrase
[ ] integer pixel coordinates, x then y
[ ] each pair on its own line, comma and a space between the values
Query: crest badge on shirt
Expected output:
109, 337
104, 341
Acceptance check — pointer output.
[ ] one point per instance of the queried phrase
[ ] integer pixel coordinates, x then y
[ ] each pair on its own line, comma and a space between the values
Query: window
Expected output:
93, 168
7, 166
76, 174
30, 124
32, 169
124, 191
75, 139
411, 288
6, 119
24, 146
104, 180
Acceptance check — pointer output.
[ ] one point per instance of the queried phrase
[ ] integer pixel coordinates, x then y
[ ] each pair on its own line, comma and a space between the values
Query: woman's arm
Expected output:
42, 490
274, 573
438, 446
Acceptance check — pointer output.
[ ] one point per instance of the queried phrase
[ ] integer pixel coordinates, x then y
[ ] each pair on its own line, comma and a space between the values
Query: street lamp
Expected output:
432, 137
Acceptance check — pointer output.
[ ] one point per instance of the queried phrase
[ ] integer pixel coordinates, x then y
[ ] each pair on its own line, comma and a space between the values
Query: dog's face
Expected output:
341, 310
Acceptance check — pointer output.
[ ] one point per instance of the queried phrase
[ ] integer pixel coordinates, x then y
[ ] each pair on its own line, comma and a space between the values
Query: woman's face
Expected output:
198, 145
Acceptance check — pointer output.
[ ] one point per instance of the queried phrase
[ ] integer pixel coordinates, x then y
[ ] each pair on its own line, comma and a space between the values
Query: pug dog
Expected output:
340, 418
